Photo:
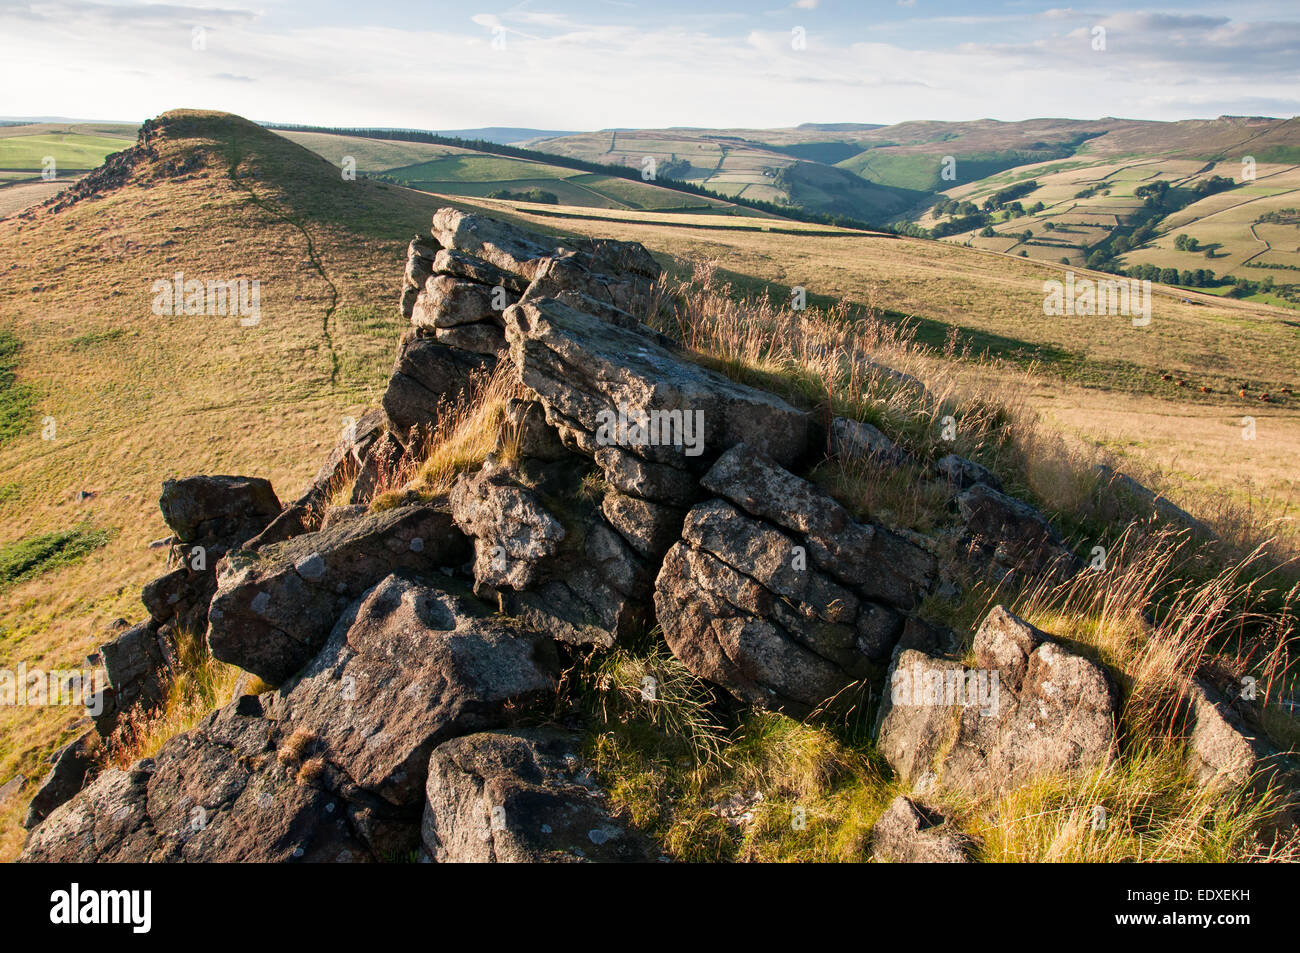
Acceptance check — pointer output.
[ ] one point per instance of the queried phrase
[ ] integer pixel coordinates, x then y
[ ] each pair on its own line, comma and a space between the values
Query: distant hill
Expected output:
934, 178
504, 135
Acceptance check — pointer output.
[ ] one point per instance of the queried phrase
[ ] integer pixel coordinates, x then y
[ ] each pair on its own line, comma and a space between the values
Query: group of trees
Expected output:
1154, 195
1281, 216
1186, 242
1200, 278
529, 195
947, 206
1215, 183
1002, 197
673, 168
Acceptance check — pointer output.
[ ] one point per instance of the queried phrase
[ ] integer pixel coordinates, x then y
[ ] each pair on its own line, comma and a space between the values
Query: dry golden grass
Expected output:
198, 684
463, 435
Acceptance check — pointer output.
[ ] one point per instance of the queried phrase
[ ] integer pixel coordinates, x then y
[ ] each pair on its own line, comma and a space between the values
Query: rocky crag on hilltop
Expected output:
416, 647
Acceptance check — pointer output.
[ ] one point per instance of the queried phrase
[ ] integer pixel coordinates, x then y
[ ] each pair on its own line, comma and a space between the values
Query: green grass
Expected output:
15, 398
34, 555
95, 338
70, 150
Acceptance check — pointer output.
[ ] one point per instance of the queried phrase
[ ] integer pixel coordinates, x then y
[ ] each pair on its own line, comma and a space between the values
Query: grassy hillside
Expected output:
451, 170
135, 397
783, 166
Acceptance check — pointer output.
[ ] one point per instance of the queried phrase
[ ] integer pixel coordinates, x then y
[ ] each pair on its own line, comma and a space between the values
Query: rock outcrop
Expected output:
416, 638
1029, 708
910, 834
330, 767
776, 594
275, 606
522, 797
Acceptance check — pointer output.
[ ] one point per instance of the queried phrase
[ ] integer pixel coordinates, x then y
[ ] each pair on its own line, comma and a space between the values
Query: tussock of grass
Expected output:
1142, 808
34, 555
757, 786
199, 683
464, 434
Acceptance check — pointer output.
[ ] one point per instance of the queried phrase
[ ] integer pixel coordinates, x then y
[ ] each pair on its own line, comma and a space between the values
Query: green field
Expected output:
448, 170
71, 151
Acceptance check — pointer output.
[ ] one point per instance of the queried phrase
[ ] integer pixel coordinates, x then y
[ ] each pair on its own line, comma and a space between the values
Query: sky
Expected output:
595, 64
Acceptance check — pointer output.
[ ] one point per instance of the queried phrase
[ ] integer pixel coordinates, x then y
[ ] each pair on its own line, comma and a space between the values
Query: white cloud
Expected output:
77, 57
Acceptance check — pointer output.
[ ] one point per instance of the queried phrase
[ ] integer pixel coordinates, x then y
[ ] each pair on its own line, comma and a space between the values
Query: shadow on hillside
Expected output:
929, 331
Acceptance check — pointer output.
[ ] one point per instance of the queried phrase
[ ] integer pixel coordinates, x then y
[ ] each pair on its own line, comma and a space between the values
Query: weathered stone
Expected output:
427, 378
506, 246
410, 666
467, 267
65, 778
879, 564
447, 302
908, 834
525, 433
136, 665
274, 608
741, 606
546, 554
649, 528
623, 300
215, 793
1154, 503
512, 530
230, 509
963, 473
630, 474
406, 301
332, 766
854, 440
522, 797
1017, 536
584, 371
381, 462
1224, 750
418, 271
483, 337
161, 595
1030, 708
